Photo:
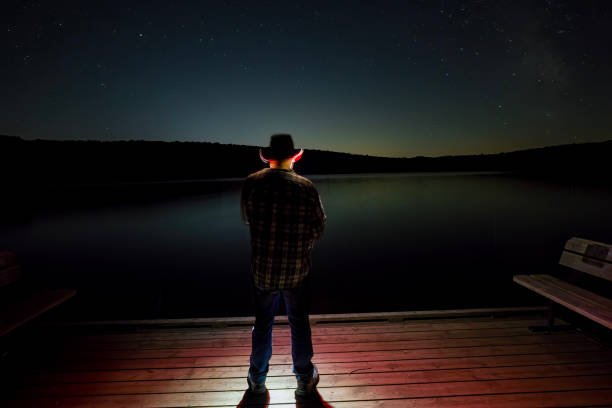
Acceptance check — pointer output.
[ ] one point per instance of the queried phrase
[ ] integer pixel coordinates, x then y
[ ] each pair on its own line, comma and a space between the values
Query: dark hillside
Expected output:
93, 162
44, 174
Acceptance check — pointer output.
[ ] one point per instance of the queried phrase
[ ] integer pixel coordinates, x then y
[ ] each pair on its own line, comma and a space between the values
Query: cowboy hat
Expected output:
281, 147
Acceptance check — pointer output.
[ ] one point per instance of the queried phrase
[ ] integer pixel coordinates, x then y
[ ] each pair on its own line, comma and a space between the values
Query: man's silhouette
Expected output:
285, 217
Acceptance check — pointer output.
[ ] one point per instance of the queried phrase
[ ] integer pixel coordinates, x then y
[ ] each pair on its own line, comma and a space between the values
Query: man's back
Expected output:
285, 216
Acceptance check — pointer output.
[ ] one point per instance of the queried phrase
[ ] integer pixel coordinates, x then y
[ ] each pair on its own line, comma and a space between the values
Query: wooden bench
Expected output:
20, 301
593, 258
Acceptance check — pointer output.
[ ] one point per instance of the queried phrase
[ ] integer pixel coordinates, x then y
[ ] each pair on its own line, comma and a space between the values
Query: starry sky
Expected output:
390, 78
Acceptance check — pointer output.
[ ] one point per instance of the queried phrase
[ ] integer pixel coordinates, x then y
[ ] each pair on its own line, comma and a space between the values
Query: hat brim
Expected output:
266, 154
271, 154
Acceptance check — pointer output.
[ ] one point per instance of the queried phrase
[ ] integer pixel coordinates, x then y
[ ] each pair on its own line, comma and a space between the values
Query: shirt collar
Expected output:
288, 170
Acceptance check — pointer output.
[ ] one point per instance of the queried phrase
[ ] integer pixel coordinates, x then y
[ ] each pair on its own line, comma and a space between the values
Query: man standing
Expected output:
285, 217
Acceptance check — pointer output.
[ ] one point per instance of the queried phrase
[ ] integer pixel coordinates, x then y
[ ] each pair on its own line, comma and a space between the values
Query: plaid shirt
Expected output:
285, 215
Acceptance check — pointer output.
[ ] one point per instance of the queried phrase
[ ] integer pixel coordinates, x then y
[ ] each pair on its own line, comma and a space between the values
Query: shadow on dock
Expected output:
250, 400
316, 401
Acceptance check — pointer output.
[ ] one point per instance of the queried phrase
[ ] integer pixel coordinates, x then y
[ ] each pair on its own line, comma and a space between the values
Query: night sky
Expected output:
401, 78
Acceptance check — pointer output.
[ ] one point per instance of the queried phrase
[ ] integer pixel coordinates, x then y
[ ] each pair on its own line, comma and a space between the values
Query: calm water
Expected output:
393, 242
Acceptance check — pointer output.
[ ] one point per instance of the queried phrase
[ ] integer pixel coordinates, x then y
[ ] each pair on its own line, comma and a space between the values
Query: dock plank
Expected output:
329, 329
361, 344
324, 368
316, 337
225, 361
333, 380
330, 394
590, 398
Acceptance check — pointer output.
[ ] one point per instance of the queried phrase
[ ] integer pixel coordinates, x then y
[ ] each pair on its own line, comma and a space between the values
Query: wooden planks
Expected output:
332, 394
331, 380
581, 301
338, 357
529, 400
315, 318
200, 354
431, 363
195, 342
323, 330
351, 343
510, 360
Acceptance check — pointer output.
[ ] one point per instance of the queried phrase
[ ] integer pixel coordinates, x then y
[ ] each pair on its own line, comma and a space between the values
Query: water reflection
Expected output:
392, 242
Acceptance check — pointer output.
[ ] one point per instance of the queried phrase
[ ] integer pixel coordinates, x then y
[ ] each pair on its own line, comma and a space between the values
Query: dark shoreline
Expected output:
43, 176
44, 162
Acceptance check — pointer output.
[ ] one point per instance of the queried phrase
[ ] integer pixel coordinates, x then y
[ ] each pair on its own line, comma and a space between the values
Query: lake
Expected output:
393, 242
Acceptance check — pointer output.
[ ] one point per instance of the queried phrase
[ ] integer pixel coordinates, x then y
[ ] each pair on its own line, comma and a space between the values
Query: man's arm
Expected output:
244, 197
318, 216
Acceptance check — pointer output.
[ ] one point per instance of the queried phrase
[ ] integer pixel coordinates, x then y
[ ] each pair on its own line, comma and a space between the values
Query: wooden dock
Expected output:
453, 361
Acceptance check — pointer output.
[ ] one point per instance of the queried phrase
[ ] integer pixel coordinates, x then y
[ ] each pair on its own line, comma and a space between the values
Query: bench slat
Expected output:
32, 306
592, 249
577, 299
587, 296
591, 266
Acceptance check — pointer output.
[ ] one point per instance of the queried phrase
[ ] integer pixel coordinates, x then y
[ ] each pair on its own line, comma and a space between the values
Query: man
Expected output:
285, 217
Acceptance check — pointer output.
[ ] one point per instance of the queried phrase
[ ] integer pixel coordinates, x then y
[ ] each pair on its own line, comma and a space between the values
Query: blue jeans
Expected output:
266, 305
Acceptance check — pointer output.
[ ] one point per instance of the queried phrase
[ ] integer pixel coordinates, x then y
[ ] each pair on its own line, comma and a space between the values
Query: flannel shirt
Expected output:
285, 216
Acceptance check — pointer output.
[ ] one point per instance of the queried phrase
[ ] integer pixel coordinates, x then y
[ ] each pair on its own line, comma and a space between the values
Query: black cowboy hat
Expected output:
281, 147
